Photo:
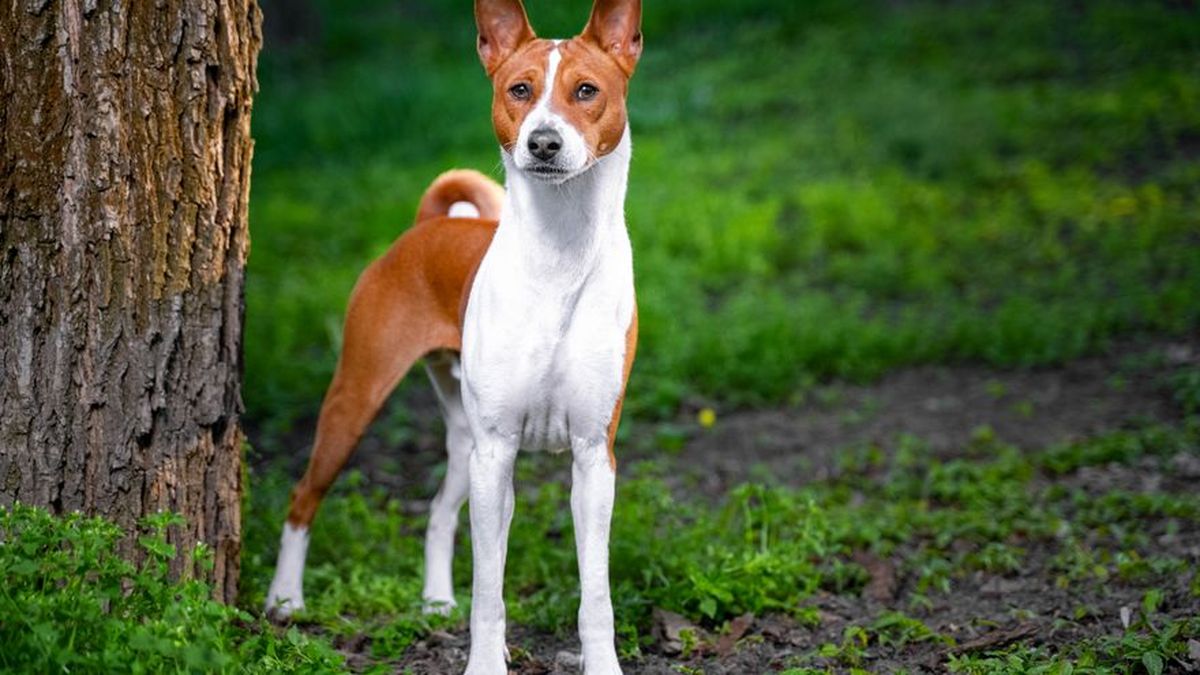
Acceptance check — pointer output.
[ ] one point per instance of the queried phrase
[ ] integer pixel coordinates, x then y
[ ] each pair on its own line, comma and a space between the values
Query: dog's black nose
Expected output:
544, 143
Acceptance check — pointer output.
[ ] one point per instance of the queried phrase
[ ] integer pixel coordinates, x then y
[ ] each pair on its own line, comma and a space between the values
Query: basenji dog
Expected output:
521, 302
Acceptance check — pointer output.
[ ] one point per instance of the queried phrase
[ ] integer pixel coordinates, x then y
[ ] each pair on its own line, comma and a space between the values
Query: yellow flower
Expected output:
707, 417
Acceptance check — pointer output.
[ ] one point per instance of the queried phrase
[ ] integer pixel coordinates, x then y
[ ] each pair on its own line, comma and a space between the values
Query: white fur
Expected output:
593, 488
443, 371
286, 595
463, 210
542, 362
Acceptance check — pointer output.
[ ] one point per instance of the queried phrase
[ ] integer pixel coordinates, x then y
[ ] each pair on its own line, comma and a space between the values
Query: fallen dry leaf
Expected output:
737, 628
669, 629
882, 586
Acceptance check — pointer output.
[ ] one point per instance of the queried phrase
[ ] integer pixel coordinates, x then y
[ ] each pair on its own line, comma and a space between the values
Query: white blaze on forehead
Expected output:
551, 70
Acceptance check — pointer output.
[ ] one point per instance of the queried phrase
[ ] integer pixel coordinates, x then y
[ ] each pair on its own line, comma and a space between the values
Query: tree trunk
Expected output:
126, 172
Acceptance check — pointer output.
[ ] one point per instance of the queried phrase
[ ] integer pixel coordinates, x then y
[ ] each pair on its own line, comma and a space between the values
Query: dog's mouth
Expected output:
548, 171
555, 174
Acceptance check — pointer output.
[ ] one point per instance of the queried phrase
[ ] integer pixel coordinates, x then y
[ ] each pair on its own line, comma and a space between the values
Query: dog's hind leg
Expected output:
443, 513
387, 329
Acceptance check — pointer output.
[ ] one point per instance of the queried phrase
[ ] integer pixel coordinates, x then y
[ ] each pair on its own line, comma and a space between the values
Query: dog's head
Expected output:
559, 105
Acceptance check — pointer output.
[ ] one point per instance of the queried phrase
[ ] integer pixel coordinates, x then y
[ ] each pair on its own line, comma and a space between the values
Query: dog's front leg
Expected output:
592, 492
491, 508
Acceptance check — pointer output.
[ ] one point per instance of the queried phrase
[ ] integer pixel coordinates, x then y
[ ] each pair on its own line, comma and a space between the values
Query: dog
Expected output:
521, 301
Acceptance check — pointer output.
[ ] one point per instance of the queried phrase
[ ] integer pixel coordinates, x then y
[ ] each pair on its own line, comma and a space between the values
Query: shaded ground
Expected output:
988, 612
942, 406
817, 440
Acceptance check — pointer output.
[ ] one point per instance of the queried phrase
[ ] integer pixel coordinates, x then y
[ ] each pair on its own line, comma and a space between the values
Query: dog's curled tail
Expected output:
455, 192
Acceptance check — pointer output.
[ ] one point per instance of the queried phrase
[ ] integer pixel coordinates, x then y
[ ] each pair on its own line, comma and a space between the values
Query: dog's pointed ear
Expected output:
503, 28
616, 27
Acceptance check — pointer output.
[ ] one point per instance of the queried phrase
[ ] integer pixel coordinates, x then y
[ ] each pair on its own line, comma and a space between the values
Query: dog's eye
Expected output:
586, 92
520, 91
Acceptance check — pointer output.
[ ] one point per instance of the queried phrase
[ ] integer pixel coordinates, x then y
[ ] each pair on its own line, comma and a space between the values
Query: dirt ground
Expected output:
943, 406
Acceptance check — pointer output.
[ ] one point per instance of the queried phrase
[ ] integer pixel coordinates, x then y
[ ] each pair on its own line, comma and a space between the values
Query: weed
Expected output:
1154, 650
1186, 387
851, 650
69, 602
898, 629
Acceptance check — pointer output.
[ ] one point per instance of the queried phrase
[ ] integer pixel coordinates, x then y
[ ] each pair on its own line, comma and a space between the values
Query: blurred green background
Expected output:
819, 189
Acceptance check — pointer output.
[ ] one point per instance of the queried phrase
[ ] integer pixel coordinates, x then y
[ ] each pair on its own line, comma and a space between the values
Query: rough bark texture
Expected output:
126, 171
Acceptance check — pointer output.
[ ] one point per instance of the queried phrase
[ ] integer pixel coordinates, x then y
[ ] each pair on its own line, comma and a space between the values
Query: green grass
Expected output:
760, 549
69, 603
819, 190
1152, 649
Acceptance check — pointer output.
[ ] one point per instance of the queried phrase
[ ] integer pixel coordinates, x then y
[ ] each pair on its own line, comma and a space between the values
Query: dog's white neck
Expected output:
563, 227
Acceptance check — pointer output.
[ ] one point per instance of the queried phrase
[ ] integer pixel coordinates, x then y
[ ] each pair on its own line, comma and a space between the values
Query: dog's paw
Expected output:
281, 605
433, 607
604, 663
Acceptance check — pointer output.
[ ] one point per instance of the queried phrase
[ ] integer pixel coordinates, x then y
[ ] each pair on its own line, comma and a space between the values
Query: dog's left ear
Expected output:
616, 27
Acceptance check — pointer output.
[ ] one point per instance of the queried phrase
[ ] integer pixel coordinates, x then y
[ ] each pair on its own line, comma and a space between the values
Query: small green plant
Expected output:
1186, 387
851, 650
69, 602
998, 557
1153, 651
898, 629
690, 640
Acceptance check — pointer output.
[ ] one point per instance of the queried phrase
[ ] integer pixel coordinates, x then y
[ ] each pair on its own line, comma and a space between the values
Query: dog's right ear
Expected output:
503, 28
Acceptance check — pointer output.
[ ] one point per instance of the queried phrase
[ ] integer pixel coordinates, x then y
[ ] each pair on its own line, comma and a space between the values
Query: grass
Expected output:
763, 550
819, 190
69, 603
1153, 650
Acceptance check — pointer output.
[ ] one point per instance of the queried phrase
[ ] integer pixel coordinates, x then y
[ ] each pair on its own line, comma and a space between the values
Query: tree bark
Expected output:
125, 142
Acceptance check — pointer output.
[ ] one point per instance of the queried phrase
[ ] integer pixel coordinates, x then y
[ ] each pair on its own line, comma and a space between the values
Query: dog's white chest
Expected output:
544, 364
